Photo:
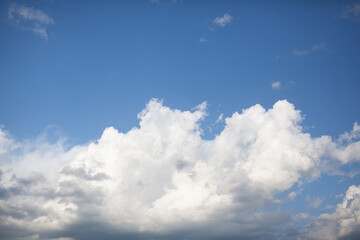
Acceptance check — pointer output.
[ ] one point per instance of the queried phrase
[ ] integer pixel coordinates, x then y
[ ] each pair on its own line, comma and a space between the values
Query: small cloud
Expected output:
314, 202
220, 118
203, 40
317, 47
291, 82
276, 85
30, 19
223, 21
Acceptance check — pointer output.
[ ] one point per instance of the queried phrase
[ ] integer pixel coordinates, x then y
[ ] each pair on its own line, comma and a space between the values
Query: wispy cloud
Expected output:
314, 202
317, 47
203, 40
352, 11
276, 85
220, 118
223, 21
30, 19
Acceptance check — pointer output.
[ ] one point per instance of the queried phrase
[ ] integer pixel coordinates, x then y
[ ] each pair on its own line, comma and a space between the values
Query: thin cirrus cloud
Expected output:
223, 21
317, 47
30, 18
162, 180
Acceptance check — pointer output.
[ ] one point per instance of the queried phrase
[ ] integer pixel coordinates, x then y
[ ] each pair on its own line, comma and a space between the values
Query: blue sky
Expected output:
70, 69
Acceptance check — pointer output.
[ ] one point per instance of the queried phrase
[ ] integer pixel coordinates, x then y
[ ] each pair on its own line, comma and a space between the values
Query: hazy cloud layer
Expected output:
162, 180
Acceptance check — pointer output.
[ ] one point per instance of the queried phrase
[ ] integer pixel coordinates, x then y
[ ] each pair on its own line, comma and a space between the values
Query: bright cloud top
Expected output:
30, 18
163, 179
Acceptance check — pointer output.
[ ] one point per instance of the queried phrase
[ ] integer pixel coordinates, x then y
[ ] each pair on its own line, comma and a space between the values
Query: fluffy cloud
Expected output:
30, 18
344, 223
162, 179
223, 21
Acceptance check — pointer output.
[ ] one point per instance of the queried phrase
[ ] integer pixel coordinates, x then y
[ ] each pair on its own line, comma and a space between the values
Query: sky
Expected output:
179, 119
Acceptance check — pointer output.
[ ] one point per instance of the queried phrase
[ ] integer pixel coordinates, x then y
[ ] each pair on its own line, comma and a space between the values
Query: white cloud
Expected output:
317, 47
223, 21
276, 85
344, 223
203, 40
163, 178
30, 18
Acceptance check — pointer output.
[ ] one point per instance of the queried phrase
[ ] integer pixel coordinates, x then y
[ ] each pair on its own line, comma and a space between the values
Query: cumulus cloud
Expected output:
162, 180
223, 21
344, 223
317, 47
30, 18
